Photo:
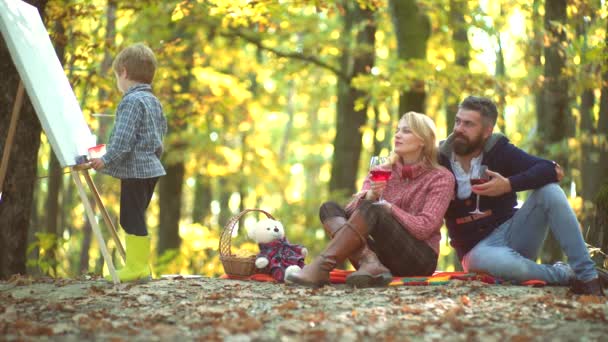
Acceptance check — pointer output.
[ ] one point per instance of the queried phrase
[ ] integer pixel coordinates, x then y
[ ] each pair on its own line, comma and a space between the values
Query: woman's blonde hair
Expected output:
424, 128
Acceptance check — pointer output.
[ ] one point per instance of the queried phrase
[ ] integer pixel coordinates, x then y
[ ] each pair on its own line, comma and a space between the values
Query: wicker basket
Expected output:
234, 265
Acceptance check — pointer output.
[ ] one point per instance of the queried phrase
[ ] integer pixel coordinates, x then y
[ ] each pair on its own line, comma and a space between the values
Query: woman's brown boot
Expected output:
331, 226
349, 238
371, 272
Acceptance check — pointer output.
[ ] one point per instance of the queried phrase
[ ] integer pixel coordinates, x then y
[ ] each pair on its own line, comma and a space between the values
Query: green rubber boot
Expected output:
137, 266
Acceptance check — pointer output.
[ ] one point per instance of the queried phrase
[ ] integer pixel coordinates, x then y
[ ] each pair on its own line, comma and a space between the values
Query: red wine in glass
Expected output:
478, 181
379, 172
478, 178
380, 175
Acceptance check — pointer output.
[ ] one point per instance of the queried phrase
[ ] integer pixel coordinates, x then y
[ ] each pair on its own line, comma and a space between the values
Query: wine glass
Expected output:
379, 172
477, 178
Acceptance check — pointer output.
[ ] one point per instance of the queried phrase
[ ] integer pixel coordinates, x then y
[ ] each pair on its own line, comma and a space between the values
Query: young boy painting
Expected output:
133, 153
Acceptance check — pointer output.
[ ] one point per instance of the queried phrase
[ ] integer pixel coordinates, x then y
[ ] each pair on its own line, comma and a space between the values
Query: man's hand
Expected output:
559, 172
97, 163
496, 186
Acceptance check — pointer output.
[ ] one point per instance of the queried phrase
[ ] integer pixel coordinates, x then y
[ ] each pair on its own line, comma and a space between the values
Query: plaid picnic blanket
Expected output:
438, 278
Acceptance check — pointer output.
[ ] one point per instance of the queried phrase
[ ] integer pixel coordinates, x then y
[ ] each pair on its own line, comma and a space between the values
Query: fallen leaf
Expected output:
587, 299
79, 318
63, 328
289, 305
411, 310
452, 316
214, 296
145, 299
96, 290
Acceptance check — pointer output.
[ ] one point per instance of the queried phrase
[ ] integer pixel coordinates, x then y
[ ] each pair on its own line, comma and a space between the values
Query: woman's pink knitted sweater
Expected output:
419, 196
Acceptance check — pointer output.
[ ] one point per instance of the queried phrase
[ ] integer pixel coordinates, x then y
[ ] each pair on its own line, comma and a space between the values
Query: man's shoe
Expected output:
591, 287
602, 274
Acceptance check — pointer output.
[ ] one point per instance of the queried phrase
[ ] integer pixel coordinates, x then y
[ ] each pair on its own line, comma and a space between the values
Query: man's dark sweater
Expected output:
524, 171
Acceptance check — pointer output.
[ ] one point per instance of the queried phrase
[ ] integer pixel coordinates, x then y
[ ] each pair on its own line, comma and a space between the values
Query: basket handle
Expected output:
226, 236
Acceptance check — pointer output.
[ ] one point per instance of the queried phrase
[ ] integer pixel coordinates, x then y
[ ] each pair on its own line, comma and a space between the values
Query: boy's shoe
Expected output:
138, 253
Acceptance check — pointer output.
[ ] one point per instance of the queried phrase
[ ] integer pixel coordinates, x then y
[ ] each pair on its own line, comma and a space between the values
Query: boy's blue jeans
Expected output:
510, 251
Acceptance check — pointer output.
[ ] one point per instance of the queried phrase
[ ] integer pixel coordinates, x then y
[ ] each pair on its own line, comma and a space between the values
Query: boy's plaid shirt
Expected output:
136, 141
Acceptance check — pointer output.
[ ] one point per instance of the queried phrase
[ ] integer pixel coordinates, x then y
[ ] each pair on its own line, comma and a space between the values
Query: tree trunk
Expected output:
55, 184
557, 123
171, 185
201, 207
224, 196
589, 160
33, 255
602, 125
461, 47
170, 193
347, 142
413, 29
501, 74
599, 228
598, 234
535, 52
242, 187
18, 187
375, 128
55, 171
590, 154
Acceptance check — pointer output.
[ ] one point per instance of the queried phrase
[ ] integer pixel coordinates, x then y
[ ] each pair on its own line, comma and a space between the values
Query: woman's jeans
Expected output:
511, 250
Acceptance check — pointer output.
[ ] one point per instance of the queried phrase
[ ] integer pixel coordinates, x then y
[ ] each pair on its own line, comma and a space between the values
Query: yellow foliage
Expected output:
577, 204
199, 252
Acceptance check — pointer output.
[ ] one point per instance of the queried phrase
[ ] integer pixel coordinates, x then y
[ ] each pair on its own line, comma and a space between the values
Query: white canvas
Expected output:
45, 81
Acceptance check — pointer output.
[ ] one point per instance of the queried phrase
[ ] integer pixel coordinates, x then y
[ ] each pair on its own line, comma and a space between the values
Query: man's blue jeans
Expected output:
510, 251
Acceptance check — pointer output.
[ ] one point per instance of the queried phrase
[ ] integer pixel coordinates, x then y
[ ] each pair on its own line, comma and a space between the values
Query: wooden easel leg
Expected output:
105, 214
91, 215
8, 144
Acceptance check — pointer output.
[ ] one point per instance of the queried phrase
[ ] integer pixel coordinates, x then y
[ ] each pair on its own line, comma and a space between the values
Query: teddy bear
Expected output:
281, 257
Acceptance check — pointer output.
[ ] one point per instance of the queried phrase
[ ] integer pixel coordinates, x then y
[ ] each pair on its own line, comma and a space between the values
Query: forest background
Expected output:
279, 105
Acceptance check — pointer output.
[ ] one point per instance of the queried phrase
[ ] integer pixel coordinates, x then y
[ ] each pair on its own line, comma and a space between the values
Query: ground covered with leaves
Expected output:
217, 309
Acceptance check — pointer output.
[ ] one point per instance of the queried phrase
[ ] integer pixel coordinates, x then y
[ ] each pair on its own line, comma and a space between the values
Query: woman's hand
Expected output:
376, 189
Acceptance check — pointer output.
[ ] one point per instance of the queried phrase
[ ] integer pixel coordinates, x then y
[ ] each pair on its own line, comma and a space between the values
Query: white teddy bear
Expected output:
276, 253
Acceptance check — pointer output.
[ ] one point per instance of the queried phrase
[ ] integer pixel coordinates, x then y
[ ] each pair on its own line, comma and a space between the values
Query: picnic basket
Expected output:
237, 265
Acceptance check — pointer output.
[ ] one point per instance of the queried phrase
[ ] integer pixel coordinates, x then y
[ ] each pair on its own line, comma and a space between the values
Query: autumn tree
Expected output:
16, 201
412, 29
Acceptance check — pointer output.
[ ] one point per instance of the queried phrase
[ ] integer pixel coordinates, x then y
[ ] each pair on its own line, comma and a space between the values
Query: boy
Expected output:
133, 153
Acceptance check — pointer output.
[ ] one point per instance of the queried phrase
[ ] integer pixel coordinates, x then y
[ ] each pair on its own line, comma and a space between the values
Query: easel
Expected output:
76, 171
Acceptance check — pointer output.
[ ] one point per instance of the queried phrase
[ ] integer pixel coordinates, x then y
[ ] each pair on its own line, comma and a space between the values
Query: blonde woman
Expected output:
398, 237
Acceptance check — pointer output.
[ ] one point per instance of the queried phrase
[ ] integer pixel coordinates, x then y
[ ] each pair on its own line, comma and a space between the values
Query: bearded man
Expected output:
502, 240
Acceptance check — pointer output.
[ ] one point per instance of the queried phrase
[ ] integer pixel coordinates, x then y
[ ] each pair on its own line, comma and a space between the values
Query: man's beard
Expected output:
465, 147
